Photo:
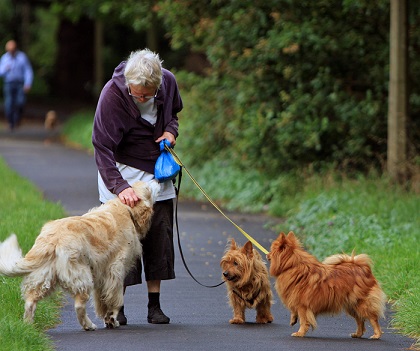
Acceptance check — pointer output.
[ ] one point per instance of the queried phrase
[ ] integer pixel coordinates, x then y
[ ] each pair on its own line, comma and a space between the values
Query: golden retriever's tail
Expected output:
12, 264
10, 255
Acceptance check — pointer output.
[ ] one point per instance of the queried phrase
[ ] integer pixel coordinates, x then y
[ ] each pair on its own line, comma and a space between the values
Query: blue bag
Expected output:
166, 167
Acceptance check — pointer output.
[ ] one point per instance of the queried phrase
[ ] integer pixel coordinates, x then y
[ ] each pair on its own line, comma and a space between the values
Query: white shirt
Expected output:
148, 110
132, 175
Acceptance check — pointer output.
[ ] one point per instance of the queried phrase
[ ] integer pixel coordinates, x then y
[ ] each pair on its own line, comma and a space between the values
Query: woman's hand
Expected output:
168, 136
128, 197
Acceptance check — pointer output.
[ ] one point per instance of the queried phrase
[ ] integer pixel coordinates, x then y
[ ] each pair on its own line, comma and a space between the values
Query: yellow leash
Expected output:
249, 237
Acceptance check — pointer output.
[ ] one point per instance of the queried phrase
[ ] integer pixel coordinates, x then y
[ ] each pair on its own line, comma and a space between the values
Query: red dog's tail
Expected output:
360, 260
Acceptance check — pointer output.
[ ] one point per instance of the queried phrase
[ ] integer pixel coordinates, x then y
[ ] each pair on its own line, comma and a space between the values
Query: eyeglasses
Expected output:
146, 97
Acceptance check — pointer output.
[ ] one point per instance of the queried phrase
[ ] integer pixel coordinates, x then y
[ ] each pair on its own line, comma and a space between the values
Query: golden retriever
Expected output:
93, 252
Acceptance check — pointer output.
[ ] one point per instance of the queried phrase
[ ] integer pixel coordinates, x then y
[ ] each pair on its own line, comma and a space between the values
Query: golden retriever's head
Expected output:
282, 249
237, 263
147, 191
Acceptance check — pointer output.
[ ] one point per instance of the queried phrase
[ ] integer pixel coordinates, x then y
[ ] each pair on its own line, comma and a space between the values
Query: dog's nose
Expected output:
225, 273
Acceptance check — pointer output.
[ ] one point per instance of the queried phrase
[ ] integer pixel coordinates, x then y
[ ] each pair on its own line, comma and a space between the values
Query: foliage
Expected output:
77, 131
302, 82
139, 14
41, 52
6, 18
291, 83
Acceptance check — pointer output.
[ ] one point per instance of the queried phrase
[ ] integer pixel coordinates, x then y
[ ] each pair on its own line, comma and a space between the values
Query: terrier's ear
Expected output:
248, 250
232, 244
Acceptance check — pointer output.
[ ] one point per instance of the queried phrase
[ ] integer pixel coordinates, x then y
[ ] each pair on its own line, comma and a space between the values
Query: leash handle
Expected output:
179, 239
249, 237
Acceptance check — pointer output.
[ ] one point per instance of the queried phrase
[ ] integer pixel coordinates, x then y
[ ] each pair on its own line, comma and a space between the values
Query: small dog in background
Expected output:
247, 282
50, 120
308, 287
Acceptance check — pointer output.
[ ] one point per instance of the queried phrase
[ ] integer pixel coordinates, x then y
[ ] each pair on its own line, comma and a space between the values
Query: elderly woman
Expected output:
137, 109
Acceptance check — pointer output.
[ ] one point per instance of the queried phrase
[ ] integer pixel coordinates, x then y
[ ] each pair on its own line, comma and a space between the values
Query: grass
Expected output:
23, 212
77, 131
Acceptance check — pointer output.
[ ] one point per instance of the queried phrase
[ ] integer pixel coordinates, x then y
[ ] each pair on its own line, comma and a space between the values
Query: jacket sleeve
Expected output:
108, 130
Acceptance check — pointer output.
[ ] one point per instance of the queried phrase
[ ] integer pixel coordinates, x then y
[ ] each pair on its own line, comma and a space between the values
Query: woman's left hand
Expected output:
168, 136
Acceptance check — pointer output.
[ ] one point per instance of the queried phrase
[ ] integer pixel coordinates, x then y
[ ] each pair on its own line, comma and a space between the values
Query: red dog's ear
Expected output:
282, 238
248, 250
279, 243
293, 240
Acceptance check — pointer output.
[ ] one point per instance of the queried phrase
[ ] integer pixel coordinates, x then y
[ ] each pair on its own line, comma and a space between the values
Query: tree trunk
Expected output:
25, 35
74, 73
152, 34
99, 64
398, 96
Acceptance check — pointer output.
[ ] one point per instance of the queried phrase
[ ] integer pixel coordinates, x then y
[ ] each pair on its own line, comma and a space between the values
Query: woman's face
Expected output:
141, 93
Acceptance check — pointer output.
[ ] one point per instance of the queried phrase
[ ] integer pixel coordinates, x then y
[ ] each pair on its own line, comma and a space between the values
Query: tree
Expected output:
398, 94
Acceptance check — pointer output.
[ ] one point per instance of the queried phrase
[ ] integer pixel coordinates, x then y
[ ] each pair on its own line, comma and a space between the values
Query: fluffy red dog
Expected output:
308, 287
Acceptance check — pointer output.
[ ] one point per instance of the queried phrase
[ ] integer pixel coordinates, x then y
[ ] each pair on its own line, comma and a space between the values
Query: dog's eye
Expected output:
235, 263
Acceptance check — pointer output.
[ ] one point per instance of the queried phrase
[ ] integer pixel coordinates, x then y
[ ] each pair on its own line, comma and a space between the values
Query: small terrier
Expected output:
247, 282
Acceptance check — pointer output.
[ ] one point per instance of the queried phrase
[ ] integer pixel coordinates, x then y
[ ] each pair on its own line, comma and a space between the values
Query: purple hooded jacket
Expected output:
120, 134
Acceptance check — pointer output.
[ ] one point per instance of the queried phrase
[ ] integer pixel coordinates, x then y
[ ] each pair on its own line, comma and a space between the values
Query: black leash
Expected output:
179, 239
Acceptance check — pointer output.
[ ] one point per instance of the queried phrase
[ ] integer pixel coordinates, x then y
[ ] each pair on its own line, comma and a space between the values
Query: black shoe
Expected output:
121, 318
156, 316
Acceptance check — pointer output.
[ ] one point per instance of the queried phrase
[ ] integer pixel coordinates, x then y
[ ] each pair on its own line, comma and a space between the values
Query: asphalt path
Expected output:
199, 315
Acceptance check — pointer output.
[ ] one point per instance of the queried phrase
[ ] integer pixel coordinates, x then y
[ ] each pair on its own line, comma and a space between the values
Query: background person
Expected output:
137, 109
16, 70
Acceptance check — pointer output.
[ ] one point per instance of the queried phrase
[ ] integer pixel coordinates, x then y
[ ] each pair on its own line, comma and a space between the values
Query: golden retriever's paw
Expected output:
356, 335
90, 327
237, 320
112, 323
375, 336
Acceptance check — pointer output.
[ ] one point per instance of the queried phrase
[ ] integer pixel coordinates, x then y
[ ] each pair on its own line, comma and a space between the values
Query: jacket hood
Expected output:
118, 76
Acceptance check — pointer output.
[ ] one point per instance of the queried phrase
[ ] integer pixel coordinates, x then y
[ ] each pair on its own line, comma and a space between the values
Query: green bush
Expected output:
291, 84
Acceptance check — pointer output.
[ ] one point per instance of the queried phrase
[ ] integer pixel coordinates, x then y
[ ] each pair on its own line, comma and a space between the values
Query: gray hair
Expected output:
144, 68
